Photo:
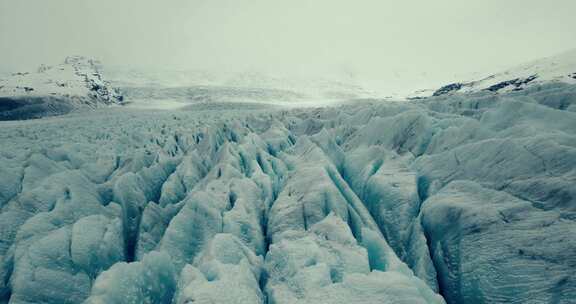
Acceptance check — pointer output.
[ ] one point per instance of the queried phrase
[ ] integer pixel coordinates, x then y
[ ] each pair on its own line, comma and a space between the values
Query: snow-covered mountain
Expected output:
555, 69
77, 83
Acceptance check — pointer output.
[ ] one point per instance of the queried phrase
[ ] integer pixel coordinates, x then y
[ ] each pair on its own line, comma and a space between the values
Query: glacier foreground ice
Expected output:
457, 199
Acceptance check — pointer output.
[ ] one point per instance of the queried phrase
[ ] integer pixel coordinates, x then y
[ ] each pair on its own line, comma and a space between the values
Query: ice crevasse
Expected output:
451, 199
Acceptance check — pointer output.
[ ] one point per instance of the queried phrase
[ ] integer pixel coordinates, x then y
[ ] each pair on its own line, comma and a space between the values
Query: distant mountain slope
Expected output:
52, 90
559, 68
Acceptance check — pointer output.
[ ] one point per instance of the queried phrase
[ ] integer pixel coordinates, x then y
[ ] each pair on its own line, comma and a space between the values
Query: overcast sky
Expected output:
373, 39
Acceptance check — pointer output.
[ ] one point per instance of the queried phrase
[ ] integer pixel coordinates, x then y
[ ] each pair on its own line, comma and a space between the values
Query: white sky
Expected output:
392, 41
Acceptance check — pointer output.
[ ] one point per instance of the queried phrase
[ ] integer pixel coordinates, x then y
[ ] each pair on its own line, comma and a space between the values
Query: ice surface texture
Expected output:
462, 199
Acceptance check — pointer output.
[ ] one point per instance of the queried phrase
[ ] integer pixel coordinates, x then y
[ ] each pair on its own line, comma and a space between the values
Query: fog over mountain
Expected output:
390, 45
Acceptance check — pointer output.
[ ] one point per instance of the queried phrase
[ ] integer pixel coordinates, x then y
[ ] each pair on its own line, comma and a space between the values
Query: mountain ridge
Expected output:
52, 90
558, 68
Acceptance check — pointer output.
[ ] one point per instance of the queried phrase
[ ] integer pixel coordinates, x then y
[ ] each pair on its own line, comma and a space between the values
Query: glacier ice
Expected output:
484, 242
457, 199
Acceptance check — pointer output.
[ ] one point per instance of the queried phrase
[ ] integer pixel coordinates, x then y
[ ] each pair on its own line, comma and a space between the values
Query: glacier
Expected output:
466, 198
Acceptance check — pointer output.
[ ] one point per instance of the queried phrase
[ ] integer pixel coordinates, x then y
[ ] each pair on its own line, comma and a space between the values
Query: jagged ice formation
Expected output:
457, 199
